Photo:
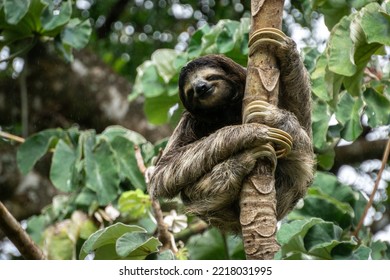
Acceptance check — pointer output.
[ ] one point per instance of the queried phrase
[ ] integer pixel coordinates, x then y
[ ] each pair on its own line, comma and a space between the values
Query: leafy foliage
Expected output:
98, 174
23, 23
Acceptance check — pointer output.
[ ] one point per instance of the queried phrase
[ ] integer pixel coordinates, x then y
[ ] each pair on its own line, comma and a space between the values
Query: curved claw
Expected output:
265, 150
255, 109
282, 139
268, 33
270, 36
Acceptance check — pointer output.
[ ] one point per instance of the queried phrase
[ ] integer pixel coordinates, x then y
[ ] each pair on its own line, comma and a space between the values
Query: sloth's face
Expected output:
208, 88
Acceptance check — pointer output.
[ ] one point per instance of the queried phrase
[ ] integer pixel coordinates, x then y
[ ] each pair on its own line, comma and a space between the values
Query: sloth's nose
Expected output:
201, 88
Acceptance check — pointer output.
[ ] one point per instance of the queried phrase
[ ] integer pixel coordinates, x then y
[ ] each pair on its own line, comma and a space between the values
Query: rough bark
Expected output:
19, 237
258, 196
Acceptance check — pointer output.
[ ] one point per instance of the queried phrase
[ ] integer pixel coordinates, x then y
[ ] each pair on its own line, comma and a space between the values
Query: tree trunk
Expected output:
258, 196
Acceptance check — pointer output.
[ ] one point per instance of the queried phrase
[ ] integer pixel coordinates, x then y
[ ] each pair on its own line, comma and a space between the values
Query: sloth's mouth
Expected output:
203, 90
207, 93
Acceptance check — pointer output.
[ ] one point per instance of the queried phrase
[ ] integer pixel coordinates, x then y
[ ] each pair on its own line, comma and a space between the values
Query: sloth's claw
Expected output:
267, 36
281, 139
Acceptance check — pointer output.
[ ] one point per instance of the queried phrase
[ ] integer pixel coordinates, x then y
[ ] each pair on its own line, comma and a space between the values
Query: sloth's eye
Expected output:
214, 77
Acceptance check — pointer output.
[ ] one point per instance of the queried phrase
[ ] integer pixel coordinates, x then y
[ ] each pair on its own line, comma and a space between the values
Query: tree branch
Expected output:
358, 151
371, 200
166, 238
19, 236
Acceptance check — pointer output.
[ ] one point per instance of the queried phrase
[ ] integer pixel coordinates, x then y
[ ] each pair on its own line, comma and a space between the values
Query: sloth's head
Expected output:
211, 85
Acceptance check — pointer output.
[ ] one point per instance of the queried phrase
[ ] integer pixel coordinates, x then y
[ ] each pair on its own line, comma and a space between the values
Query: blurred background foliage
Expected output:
92, 85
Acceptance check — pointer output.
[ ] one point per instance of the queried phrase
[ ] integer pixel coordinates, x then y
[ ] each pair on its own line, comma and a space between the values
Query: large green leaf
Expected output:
375, 23
54, 16
320, 119
102, 171
134, 204
136, 245
326, 207
328, 183
107, 238
340, 49
348, 113
124, 153
76, 33
62, 165
15, 10
314, 238
157, 108
212, 245
163, 60
113, 131
35, 147
226, 40
378, 108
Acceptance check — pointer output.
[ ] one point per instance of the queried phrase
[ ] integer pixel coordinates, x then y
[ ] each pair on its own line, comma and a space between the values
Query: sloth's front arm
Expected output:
183, 163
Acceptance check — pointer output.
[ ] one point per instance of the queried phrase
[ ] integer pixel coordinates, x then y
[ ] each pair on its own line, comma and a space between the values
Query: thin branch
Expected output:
371, 200
12, 137
18, 236
166, 238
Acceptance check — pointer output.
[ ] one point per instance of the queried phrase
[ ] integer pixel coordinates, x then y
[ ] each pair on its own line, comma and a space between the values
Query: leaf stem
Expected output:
10, 136
371, 200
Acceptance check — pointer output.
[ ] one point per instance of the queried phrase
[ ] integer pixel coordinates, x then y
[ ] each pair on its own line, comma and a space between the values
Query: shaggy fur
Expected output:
211, 152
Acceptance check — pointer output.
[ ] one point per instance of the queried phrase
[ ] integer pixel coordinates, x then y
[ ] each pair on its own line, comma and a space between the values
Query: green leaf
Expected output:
348, 252
320, 124
35, 226
76, 33
111, 132
105, 239
348, 113
318, 79
136, 245
58, 244
35, 147
134, 203
54, 16
152, 84
340, 49
15, 10
333, 10
325, 158
378, 108
194, 46
102, 172
321, 239
165, 255
157, 108
128, 168
226, 39
312, 239
328, 183
62, 165
207, 246
380, 250
163, 60
376, 24
321, 205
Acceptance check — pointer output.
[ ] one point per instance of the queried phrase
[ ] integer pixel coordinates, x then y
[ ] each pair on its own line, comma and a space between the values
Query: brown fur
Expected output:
211, 152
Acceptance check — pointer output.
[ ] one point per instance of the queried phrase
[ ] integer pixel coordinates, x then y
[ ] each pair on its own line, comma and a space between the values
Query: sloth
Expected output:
211, 152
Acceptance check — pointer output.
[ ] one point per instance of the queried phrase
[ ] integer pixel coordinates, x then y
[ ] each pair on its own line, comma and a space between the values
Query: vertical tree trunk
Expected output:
258, 196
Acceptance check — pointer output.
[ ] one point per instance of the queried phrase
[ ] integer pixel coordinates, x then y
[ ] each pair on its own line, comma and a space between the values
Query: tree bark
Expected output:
258, 196
19, 237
